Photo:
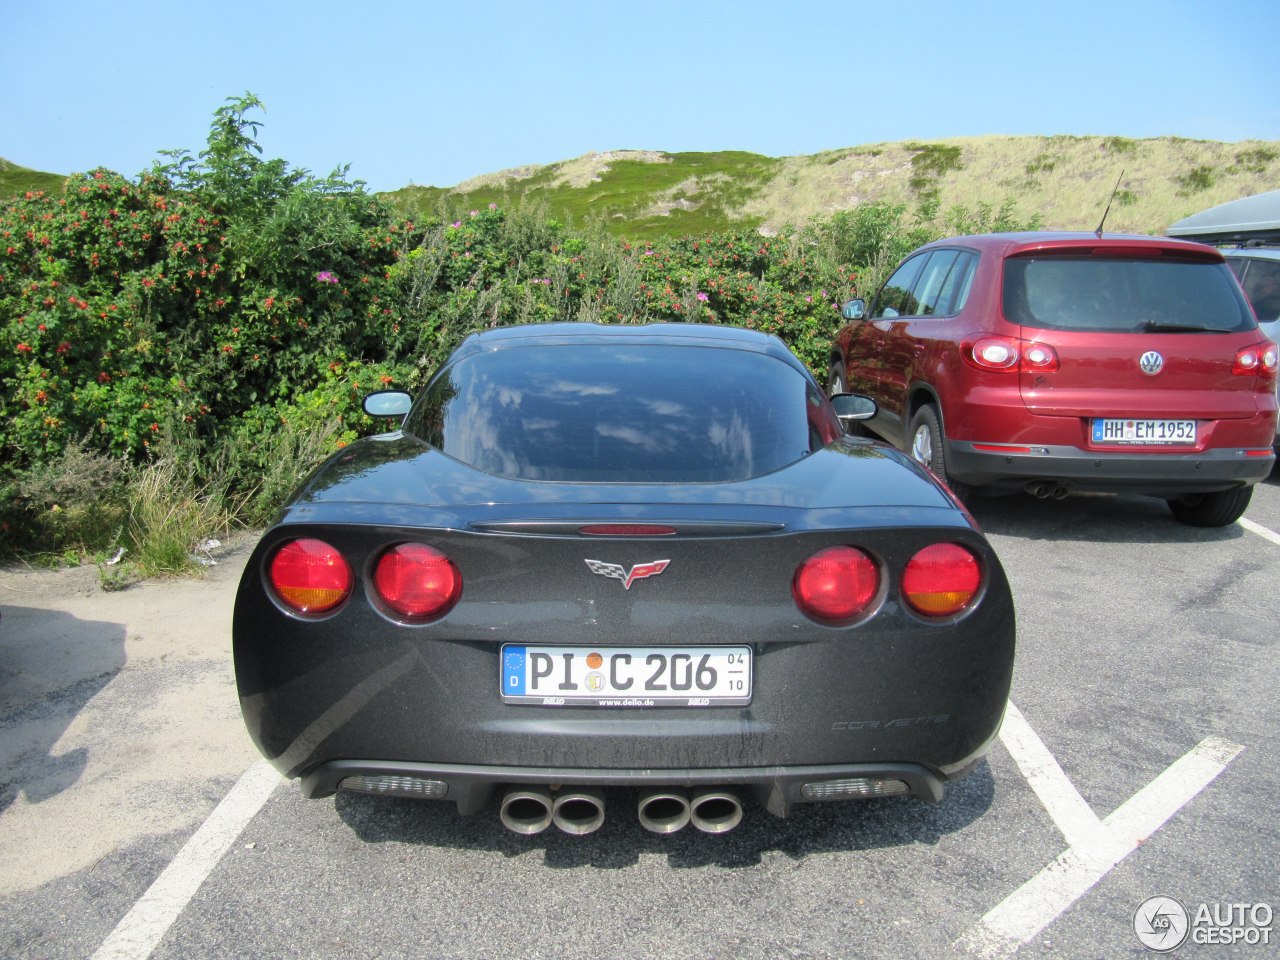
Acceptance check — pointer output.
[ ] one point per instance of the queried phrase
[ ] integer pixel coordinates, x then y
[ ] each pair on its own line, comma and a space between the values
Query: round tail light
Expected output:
941, 580
310, 576
836, 584
417, 582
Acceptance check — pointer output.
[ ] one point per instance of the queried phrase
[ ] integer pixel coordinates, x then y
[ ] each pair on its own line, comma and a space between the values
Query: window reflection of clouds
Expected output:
583, 389
652, 442
734, 443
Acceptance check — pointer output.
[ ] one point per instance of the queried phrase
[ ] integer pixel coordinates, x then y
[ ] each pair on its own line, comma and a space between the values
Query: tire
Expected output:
836, 381
1212, 509
926, 444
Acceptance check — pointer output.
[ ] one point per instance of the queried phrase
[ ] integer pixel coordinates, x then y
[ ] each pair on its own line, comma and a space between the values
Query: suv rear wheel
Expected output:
837, 382
927, 445
1212, 509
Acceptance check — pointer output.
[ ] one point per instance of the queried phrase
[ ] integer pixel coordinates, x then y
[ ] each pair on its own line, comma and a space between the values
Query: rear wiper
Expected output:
1168, 326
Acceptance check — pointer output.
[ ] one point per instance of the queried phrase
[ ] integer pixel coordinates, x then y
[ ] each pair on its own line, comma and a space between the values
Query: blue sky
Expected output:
437, 92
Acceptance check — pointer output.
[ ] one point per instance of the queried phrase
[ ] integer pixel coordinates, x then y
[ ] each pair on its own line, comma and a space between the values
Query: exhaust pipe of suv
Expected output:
1044, 489
578, 811
715, 811
664, 811
527, 810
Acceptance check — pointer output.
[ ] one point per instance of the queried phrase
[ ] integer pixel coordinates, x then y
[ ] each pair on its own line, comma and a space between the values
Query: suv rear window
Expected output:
634, 413
1120, 294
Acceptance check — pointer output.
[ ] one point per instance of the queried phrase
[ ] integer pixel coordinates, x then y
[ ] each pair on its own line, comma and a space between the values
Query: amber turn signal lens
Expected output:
310, 576
941, 580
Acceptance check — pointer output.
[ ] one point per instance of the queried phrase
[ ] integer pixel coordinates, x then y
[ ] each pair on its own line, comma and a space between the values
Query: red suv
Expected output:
1057, 362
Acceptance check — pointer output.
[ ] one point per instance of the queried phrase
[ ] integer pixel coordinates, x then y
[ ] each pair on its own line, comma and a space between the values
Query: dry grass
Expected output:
1066, 180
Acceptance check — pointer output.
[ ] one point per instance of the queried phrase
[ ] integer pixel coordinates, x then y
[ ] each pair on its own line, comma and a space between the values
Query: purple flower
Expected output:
475, 213
456, 224
703, 297
493, 206
324, 276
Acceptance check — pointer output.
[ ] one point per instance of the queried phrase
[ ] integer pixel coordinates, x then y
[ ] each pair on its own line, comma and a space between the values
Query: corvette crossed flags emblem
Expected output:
639, 572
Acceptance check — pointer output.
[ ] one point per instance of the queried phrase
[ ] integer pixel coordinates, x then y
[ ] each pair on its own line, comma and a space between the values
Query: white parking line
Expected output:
1260, 530
1042, 899
1074, 817
142, 927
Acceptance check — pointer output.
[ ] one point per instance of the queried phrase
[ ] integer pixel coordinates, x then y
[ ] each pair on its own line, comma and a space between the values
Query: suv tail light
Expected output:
417, 582
310, 576
836, 584
1009, 355
941, 580
1257, 360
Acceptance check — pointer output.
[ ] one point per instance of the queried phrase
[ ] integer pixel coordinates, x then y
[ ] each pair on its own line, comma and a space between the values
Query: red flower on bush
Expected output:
24, 348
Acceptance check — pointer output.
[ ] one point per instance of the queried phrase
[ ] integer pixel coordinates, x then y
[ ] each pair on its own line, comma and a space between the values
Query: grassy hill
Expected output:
1065, 180
16, 179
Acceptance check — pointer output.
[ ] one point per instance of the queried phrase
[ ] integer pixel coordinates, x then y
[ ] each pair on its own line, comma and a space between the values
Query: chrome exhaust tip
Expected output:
715, 811
526, 810
663, 811
578, 811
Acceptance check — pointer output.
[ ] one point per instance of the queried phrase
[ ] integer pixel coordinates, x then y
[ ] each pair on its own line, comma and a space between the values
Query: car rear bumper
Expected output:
1159, 474
776, 789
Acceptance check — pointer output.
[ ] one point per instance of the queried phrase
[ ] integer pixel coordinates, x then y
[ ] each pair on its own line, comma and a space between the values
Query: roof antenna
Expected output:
1114, 191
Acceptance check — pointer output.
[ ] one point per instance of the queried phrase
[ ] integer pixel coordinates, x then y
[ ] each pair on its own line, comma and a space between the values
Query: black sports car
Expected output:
603, 556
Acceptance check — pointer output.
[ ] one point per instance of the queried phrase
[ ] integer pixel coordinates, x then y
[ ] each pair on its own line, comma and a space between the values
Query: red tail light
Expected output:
941, 580
417, 582
310, 576
1258, 360
836, 584
1009, 355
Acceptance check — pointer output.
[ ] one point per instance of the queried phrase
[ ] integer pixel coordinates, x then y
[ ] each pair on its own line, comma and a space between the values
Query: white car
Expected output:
1258, 269
1247, 231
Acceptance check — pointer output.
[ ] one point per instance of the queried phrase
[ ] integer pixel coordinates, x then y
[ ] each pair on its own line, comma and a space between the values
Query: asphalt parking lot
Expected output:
1137, 760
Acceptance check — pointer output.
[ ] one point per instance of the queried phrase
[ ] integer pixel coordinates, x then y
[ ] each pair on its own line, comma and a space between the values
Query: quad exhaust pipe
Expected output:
711, 811
715, 811
663, 811
526, 810
531, 809
578, 811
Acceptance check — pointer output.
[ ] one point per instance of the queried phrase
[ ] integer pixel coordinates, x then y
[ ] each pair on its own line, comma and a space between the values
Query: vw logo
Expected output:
1151, 363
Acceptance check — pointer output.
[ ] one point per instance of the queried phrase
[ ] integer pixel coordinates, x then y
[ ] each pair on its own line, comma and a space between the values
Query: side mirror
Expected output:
854, 309
388, 403
853, 408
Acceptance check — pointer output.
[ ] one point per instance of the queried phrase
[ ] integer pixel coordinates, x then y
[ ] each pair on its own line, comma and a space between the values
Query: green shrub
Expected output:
1196, 180
195, 340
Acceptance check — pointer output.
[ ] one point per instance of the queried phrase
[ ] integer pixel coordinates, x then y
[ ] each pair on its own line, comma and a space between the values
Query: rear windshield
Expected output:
633, 413
1116, 294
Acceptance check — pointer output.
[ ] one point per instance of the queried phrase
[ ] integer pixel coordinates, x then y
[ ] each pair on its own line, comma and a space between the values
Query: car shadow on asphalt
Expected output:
837, 827
1092, 518
51, 665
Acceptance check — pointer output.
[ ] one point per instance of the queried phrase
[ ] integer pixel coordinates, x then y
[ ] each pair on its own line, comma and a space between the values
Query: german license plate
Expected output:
1144, 432
626, 676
